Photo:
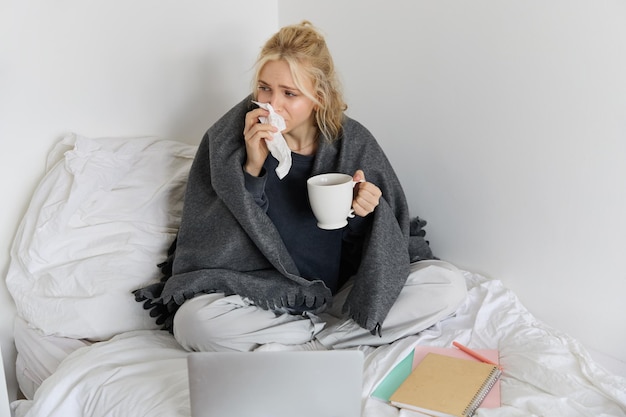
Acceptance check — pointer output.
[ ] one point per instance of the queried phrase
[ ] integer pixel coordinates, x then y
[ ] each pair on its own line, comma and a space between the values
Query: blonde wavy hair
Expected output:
304, 49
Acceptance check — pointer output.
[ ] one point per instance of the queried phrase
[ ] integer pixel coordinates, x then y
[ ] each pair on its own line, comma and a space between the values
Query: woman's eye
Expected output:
264, 88
290, 94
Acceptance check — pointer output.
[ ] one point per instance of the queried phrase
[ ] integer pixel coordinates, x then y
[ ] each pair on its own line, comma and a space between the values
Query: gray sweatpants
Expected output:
213, 322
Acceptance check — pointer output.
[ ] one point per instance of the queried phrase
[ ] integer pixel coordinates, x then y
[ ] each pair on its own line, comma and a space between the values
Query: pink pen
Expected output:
474, 354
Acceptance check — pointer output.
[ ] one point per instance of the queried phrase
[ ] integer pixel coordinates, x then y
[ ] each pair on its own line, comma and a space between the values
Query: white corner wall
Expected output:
506, 121
168, 68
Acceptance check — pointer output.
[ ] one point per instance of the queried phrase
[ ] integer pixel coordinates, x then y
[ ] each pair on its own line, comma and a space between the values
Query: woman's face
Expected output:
276, 86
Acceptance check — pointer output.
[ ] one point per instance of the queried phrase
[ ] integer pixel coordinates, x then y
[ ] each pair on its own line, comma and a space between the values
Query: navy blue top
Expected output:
316, 252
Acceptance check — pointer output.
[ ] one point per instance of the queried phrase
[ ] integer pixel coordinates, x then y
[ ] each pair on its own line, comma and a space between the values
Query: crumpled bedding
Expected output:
100, 220
546, 372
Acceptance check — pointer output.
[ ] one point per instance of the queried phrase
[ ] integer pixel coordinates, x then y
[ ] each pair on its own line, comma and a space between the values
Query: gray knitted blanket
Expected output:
226, 242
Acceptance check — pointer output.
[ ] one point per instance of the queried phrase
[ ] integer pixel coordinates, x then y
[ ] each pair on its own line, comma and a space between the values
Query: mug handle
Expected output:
351, 212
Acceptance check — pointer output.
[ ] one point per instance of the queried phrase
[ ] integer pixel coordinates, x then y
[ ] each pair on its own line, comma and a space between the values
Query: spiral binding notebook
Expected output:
445, 386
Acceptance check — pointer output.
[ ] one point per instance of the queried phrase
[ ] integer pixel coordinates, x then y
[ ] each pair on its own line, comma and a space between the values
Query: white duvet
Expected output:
546, 373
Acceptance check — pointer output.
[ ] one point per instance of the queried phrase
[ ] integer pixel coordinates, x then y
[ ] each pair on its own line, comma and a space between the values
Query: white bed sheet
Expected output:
39, 355
546, 372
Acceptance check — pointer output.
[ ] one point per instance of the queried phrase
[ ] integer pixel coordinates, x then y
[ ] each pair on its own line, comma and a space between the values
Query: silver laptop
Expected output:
276, 384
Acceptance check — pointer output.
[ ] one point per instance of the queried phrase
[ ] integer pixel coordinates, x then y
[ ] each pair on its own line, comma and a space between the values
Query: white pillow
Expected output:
99, 222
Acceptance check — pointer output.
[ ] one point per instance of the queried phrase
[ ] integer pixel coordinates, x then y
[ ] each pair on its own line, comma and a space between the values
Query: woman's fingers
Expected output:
255, 134
367, 195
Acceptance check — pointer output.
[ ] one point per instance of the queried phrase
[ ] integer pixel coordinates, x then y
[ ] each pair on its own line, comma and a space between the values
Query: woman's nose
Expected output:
276, 101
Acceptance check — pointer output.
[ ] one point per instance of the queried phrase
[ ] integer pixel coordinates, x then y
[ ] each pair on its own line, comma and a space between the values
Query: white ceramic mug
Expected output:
330, 196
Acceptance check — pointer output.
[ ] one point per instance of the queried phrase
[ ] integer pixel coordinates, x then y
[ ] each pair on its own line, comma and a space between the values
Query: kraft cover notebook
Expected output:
390, 383
445, 386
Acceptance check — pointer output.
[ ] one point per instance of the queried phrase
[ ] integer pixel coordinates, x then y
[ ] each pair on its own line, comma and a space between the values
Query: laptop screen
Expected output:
276, 384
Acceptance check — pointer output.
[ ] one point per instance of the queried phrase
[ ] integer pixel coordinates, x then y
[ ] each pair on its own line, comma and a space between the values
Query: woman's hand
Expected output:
255, 134
366, 195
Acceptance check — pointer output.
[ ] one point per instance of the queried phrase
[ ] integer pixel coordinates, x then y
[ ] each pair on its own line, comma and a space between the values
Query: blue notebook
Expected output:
394, 378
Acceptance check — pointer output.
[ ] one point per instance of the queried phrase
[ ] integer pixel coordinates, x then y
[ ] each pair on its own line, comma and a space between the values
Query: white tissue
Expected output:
278, 146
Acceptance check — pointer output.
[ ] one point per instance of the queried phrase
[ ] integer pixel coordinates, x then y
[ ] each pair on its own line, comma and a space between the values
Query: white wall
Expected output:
506, 121
105, 68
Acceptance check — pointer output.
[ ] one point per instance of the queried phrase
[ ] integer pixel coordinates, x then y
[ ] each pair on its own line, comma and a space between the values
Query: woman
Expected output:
251, 269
